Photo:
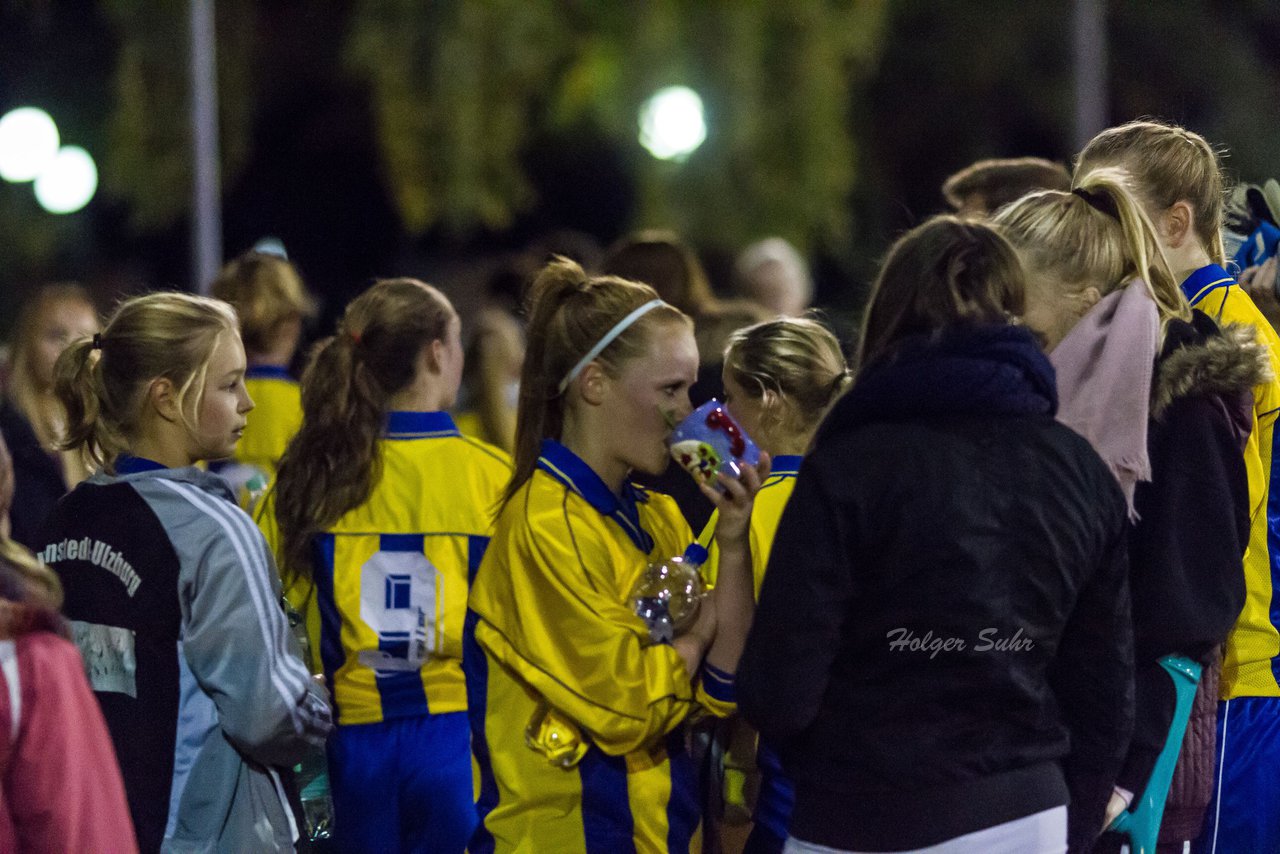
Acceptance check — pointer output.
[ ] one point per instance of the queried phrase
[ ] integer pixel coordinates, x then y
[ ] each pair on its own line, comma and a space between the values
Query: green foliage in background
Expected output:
462, 86
148, 161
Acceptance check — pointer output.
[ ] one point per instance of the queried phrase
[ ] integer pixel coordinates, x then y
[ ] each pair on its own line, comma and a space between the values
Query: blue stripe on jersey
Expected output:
475, 553
785, 464
476, 668
1208, 278
607, 824
718, 684
1273, 540
568, 468
777, 798
269, 372
420, 425
401, 691
401, 543
331, 657
682, 806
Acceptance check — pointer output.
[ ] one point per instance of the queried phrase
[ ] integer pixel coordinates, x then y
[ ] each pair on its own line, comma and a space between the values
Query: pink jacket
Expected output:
60, 786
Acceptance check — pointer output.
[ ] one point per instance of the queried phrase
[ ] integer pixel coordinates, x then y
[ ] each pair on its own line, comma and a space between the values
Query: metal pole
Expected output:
206, 211
1089, 58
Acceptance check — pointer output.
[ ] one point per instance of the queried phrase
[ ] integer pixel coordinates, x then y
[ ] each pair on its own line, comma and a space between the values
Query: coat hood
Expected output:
1198, 358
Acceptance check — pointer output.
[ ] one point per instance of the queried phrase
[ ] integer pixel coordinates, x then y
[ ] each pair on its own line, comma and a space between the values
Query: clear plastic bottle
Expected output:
668, 595
312, 773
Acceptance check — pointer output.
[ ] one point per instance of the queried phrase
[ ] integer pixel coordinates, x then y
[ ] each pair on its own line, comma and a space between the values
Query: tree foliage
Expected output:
149, 133
461, 87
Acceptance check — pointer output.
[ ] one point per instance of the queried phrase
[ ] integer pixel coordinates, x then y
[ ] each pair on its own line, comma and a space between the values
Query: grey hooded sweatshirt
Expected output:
174, 600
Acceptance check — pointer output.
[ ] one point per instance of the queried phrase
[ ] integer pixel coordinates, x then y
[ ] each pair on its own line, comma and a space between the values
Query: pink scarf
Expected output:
1104, 368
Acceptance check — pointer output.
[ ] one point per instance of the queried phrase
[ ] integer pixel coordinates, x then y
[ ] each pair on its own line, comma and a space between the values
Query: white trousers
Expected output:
1041, 833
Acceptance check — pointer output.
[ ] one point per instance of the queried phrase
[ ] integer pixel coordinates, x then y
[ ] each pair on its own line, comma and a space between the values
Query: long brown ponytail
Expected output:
569, 313
332, 464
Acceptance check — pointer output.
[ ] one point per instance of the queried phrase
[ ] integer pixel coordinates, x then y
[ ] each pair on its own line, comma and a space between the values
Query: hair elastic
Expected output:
1100, 202
96, 344
618, 328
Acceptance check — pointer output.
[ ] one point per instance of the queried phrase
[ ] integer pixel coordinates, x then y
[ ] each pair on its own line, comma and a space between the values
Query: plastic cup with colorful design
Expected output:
710, 441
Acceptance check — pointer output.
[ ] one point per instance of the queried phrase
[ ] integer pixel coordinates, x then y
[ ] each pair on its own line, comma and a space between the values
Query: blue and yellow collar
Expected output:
268, 372
1209, 278
420, 425
786, 465
568, 468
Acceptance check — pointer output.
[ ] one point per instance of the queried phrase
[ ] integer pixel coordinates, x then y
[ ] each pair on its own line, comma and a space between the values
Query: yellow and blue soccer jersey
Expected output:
387, 602
275, 417
576, 715
775, 798
770, 501
1251, 667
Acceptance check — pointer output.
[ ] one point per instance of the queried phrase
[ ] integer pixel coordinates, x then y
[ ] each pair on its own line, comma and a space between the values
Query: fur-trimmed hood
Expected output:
1199, 358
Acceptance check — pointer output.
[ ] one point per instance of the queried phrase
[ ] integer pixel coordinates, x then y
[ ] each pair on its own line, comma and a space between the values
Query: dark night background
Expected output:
831, 123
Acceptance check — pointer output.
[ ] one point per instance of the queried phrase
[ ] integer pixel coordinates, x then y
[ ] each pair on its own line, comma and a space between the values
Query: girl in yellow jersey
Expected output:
380, 514
1179, 181
272, 302
576, 712
780, 378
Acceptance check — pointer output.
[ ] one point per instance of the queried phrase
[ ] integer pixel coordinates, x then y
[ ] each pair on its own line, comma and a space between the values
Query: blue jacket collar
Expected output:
268, 372
568, 468
128, 464
1204, 280
786, 465
420, 425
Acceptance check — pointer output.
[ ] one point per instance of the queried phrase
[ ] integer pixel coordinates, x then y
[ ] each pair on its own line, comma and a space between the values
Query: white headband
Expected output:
618, 328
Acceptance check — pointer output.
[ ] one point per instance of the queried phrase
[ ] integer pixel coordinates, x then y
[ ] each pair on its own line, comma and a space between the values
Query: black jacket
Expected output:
993, 537
1185, 551
38, 482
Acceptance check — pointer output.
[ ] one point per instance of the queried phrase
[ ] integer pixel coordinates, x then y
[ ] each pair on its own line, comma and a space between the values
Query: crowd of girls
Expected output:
934, 610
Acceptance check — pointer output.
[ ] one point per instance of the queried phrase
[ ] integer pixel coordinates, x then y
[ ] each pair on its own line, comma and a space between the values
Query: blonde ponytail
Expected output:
102, 383
1146, 257
798, 360
1097, 235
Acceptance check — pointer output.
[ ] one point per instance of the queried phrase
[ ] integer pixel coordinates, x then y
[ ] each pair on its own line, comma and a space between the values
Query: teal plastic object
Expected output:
1141, 822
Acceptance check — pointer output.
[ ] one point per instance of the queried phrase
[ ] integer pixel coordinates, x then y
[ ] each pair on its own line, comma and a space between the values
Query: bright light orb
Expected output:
672, 124
28, 143
68, 183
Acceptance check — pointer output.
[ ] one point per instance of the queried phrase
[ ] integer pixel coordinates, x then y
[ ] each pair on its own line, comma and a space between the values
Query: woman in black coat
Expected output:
943, 652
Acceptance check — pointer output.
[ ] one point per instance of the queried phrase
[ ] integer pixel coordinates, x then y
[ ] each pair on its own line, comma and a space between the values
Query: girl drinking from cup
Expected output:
576, 707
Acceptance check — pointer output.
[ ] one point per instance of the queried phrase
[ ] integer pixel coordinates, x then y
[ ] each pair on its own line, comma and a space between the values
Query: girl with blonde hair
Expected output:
171, 591
578, 708
272, 303
31, 417
780, 378
1165, 398
1177, 178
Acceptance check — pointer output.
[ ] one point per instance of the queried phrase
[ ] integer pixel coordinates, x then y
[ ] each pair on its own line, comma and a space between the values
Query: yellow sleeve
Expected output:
551, 611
